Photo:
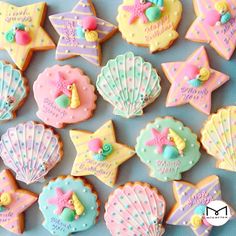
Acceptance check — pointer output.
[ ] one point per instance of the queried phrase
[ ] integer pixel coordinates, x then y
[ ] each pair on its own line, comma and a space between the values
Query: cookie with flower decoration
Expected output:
69, 205
64, 95
150, 23
168, 148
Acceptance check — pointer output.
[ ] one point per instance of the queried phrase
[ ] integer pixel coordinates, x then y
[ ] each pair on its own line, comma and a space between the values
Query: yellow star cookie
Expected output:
21, 32
99, 154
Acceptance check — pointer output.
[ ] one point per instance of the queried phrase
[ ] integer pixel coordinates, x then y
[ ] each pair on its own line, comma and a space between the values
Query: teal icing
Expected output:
53, 223
225, 18
12, 90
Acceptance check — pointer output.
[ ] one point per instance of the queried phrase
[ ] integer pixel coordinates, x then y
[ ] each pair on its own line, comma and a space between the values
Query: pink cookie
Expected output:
193, 81
64, 96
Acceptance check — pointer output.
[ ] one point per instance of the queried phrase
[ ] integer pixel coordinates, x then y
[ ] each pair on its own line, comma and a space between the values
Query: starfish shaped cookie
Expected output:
193, 81
191, 204
22, 35
215, 24
81, 33
14, 202
99, 154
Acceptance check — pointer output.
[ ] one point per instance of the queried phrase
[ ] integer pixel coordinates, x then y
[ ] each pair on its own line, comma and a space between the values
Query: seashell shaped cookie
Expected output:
168, 148
129, 84
13, 91
31, 150
64, 96
219, 136
135, 209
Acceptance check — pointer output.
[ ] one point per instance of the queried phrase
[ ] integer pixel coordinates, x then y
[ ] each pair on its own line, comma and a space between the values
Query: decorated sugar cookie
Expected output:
13, 91
135, 209
99, 153
81, 33
69, 205
22, 32
215, 24
13, 202
168, 148
192, 205
31, 150
193, 81
64, 96
129, 84
218, 137
150, 23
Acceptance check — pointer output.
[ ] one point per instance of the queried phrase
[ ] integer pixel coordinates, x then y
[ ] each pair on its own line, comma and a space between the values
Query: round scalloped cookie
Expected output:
135, 209
64, 96
69, 205
129, 84
150, 23
168, 148
13, 90
218, 137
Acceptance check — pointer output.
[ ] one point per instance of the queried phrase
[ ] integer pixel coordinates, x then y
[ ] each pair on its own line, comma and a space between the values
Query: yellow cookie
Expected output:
99, 153
22, 33
150, 23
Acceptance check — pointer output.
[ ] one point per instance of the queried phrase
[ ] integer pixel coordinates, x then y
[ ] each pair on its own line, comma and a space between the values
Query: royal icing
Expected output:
129, 84
13, 202
30, 150
215, 24
81, 32
218, 137
135, 209
149, 23
21, 31
191, 204
193, 81
13, 90
64, 95
90, 161
68, 205
168, 148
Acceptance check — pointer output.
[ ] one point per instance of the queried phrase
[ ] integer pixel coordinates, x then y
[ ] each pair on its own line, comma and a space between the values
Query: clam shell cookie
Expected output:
13, 91
31, 150
218, 137
150, 23
64, 95
135, 209
129, 84
69, 205
168, 148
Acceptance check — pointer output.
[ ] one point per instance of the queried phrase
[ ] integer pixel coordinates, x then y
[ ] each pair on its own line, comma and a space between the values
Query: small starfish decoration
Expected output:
160, 139
61, 200
62, 85
137, 11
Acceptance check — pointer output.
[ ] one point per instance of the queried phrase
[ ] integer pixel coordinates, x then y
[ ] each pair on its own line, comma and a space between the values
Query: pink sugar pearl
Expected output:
89, 23
95, 145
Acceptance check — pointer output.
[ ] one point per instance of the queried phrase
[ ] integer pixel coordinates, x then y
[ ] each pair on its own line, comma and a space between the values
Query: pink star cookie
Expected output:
193, 81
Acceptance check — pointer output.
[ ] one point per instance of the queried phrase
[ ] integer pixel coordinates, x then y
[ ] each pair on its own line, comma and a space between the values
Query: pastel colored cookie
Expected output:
150, 23
13, 202
99, 153
81, 33
64, 96
13, 91
31, 150
135, 209
129, 84
168, 148
215, 24
218, 137
68, 205
192, 201
193, 81
22, 32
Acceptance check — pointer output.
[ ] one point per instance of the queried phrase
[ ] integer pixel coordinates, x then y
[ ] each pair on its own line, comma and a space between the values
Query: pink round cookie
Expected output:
64, 96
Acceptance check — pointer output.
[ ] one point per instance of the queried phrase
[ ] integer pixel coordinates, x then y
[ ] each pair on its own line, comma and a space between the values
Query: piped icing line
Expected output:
66, 25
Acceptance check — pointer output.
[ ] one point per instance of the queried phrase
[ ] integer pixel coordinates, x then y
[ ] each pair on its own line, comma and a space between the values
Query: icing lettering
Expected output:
58, 225
193, 93
165, 167
200, 198
19, 15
